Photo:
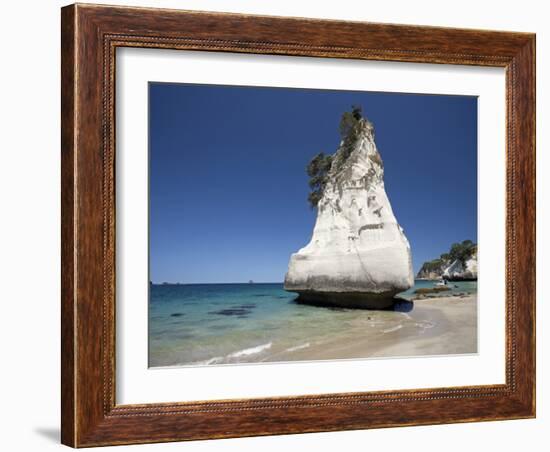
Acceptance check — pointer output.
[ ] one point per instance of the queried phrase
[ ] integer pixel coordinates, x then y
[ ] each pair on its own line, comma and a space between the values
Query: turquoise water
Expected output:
200, 324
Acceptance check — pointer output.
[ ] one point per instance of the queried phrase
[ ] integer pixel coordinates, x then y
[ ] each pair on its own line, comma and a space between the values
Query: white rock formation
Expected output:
358, 255
458, 271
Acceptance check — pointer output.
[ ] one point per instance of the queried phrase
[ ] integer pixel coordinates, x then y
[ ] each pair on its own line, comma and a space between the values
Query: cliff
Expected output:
358, 255
452, 267
432, 269
462, 271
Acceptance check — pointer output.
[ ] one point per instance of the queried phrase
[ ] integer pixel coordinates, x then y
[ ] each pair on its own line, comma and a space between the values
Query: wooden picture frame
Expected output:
90, 36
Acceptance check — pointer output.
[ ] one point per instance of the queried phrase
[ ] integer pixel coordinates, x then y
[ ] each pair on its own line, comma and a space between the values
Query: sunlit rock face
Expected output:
459, 271
358, 255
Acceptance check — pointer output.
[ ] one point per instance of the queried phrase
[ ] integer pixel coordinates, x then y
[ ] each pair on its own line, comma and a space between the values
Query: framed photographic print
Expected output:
281, 225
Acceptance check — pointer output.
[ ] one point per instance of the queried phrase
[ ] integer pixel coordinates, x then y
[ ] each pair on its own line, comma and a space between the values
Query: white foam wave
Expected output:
298, 347
251, 351
391, 330
425, 326
206, 362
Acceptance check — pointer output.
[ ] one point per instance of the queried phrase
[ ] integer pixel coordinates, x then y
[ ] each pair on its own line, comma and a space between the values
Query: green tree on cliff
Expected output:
462, 251
317, 170
350, 120
320, 165
459, 251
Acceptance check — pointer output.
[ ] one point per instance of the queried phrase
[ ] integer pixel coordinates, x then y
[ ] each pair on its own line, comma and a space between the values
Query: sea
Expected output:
206, 324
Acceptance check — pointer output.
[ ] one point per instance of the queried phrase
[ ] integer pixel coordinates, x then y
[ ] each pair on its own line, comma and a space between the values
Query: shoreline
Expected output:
436, 326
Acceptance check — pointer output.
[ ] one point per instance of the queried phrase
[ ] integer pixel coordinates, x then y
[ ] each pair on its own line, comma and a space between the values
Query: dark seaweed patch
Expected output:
177, 314
231, 312
244, 306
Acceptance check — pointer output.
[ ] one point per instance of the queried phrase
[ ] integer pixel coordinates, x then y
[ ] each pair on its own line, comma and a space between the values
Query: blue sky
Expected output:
228, 187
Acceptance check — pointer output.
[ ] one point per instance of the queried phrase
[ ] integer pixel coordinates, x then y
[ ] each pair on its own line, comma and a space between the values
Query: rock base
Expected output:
352, 300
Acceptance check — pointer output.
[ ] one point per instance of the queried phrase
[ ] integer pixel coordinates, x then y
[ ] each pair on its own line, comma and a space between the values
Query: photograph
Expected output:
292, 224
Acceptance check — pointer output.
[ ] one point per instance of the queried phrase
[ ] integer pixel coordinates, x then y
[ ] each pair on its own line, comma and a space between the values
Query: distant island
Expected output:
458, 264
358, 256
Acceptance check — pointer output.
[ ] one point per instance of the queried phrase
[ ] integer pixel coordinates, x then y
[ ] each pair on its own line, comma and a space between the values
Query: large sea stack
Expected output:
358, 255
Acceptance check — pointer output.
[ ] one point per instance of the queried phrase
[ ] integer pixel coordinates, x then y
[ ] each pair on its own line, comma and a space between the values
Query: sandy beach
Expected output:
435, 326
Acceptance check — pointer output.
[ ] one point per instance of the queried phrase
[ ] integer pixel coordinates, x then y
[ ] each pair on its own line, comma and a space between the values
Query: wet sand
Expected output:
436, 326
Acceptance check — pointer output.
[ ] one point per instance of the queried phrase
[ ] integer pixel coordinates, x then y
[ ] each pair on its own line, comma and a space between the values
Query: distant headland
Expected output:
458, 264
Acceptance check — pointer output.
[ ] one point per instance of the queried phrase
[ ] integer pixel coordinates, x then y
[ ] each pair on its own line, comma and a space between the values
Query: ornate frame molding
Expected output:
90, 36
